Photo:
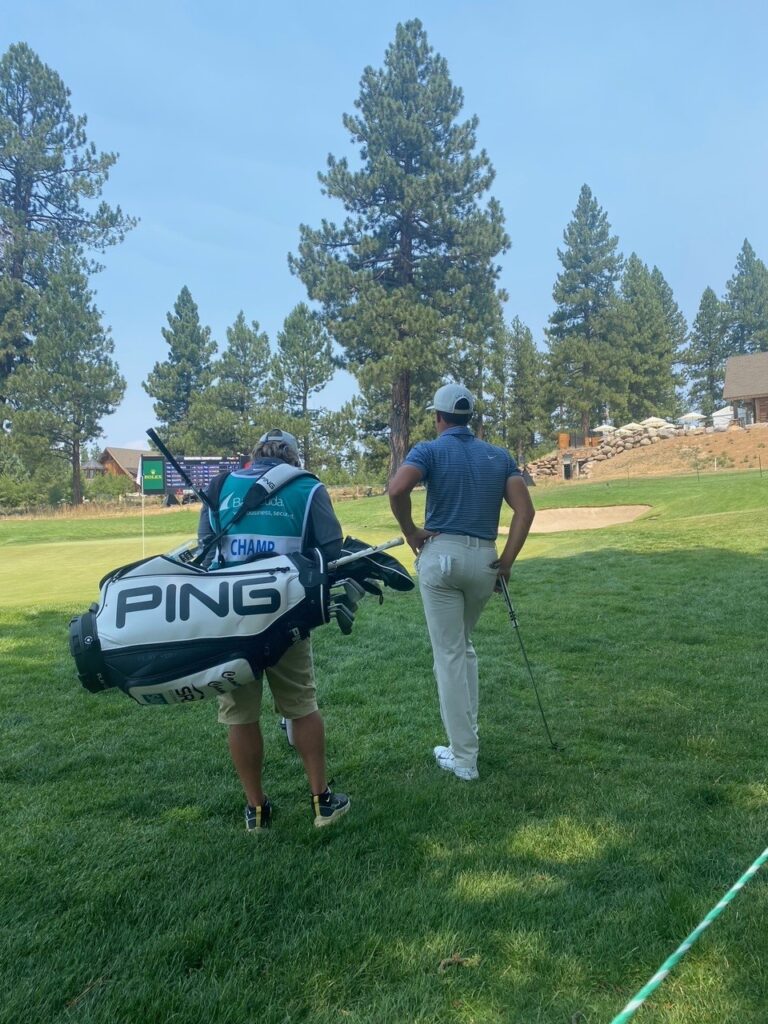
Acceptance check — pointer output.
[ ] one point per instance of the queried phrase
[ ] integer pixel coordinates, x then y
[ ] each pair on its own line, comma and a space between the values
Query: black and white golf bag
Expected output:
166, 631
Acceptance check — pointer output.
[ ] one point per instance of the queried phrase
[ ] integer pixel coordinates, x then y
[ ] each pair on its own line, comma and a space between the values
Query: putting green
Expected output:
67, 572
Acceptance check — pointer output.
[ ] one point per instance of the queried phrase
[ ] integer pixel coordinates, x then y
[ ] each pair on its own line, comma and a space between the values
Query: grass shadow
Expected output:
553, 886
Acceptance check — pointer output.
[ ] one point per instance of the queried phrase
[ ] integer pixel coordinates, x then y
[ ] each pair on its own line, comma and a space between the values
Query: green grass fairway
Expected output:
547, 892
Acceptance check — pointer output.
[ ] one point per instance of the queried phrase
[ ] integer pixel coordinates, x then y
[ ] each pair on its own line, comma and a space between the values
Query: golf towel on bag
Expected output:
166, 632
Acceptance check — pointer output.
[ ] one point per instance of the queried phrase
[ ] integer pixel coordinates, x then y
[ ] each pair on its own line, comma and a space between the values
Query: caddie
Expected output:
467, 480
298, 517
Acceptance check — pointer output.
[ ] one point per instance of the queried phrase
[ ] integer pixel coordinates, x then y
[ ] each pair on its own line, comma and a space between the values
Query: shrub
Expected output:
108, 487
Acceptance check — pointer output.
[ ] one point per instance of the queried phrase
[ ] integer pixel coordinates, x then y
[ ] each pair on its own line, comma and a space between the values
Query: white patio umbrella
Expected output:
692, 417
604, 428
656, 421
630, 428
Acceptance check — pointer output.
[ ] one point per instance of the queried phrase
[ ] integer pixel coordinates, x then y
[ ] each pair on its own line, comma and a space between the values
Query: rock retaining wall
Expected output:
611, 446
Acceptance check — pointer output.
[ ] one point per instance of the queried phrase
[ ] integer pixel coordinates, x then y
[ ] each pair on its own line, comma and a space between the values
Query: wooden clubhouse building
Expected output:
746, 385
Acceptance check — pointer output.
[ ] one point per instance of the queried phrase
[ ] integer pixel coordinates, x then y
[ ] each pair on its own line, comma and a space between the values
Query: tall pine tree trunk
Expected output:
305, 439
14, 342
400, 416
77, 487
399, 430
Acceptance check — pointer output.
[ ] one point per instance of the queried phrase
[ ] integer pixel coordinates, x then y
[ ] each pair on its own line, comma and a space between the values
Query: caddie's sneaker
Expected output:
446, 760
328, 807
257, 819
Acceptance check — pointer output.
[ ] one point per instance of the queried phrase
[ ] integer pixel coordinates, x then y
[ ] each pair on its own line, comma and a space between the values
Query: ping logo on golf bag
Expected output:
206, 633
246, 596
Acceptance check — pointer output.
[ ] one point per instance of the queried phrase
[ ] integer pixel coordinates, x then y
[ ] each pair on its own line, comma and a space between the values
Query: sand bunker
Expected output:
556, 520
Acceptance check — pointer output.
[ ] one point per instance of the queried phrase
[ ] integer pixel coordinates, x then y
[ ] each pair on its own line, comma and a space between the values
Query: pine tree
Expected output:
579, 355
468, 362
335, 447
515, 391
70, 381
677, 330
224, 417
395, 277
480, 325
243, 369
705, 357
525, 412
187, 370
304, 365
746, 301
677, 327
49, 175
647, 345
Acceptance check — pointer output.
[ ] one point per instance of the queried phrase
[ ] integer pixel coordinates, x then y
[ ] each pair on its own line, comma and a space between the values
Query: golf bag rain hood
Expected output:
168, 632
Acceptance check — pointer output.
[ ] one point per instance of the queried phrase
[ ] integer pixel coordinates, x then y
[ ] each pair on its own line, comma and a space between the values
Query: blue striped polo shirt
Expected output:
466, 479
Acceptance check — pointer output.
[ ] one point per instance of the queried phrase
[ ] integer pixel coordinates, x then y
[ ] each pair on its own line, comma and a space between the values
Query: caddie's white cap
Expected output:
280, 436
453, 398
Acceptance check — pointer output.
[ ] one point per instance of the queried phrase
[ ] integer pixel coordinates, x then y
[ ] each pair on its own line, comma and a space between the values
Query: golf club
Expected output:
513, 619
200, 495
345, 559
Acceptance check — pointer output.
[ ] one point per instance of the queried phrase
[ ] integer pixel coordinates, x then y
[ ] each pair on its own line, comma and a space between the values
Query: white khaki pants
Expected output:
456, 580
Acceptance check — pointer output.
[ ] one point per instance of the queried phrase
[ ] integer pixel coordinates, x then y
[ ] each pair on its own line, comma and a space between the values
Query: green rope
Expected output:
681, 950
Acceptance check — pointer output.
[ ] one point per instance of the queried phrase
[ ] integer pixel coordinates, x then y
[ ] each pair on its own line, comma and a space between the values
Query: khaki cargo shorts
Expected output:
292, 682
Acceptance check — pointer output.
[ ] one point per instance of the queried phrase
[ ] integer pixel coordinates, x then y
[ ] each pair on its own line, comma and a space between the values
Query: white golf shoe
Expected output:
446, 760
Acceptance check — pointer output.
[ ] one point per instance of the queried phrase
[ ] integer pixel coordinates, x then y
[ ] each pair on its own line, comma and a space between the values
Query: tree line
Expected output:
404, 294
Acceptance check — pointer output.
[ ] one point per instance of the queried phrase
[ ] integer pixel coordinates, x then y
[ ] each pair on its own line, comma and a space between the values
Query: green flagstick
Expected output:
681, 950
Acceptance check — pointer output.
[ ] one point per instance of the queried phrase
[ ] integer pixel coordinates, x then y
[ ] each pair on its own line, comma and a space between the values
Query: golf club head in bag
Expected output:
373, 569
347, 592
344, 617
346, 595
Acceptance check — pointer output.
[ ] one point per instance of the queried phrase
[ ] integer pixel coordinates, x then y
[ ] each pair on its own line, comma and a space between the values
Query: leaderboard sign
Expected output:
200, 469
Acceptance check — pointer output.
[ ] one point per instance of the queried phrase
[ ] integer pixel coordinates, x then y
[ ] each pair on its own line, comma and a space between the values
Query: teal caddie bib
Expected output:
276, 527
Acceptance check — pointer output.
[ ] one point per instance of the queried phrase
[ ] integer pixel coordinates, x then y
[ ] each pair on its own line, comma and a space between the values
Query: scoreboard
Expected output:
201, 470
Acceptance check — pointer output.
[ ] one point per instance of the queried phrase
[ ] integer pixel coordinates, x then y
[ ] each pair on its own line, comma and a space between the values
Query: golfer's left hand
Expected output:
501, 570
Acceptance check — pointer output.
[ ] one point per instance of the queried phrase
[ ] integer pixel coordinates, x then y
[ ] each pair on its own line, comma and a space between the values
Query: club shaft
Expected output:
155, 439
333, 566
513, 619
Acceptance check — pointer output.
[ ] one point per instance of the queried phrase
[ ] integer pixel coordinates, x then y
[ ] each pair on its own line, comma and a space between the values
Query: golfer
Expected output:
299, 516
467, 480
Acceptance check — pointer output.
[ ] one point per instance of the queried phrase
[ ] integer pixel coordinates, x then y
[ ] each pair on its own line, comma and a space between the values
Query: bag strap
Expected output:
266, 485
214, 496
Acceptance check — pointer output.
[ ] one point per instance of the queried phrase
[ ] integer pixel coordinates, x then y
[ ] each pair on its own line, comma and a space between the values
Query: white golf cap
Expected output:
453, 398
281, 437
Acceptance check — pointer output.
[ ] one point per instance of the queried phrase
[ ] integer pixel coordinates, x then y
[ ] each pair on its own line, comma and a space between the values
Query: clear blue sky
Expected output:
224, 113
